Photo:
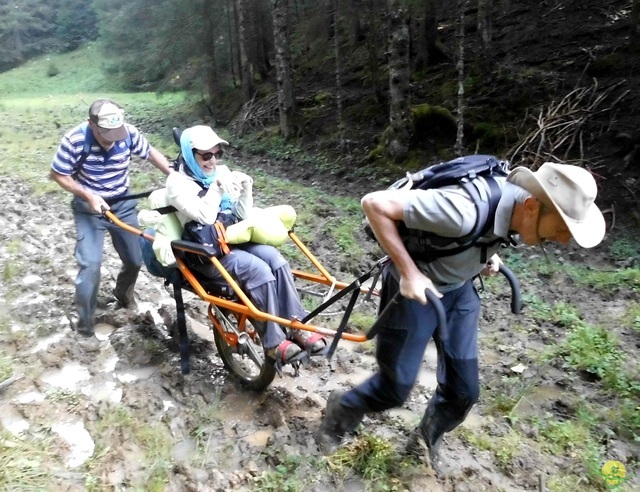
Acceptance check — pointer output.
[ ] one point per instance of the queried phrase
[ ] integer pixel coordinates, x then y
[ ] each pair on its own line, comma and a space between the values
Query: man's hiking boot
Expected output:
418, 447
338, 420
126, 302
88, 342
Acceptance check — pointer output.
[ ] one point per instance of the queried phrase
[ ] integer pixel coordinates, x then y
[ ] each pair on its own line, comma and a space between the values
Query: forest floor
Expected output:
127, 419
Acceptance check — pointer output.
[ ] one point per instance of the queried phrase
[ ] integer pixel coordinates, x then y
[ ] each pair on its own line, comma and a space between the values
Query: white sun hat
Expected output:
571, 190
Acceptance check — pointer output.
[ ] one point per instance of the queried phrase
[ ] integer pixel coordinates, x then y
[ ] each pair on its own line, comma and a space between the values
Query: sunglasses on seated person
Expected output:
208, 155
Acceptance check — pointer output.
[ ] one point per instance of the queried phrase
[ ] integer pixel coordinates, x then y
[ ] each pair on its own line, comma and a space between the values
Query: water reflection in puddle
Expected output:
68, 378
260, 438
12, 421
80, 442
46, 342
131, 375
536, 399
30, 397
104, 330
106, 391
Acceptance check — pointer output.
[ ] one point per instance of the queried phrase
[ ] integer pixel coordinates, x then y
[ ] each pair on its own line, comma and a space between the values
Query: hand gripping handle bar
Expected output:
433, 299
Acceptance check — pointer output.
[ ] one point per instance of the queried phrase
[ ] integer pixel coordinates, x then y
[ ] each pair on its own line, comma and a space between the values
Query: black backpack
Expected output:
426, 246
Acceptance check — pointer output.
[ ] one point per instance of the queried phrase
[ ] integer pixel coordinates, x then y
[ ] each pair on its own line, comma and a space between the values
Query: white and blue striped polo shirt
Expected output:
103, 173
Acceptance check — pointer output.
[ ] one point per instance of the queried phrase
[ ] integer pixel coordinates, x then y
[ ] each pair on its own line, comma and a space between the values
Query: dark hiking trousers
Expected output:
401, 344
90, 229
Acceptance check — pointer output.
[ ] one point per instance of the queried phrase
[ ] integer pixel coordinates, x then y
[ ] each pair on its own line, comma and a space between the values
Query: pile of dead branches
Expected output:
559, 132
257, 114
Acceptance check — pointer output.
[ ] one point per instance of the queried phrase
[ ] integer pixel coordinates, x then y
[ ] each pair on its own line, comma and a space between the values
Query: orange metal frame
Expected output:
245, 308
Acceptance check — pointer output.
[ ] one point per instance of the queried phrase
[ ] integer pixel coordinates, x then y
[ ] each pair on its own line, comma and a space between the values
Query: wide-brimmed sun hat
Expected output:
571, 190
203, 137
109, 119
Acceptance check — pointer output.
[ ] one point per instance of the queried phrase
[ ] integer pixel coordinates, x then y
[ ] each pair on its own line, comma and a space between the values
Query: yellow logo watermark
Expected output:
614, 474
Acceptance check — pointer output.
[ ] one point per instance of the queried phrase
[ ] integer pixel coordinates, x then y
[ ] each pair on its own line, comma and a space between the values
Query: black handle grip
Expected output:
438, 307
516, 300
382, 318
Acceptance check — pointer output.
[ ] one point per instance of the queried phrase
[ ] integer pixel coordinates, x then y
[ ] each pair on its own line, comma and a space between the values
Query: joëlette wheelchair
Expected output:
231, 312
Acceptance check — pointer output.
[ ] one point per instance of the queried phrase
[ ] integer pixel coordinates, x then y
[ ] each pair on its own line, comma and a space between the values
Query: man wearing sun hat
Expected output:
92, 163
554, 203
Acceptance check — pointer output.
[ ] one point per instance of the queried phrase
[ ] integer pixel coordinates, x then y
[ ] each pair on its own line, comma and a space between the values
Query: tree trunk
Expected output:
231, 41
210, 50
336, 48
284, 71
399, 74
484, 21
634, 37
462, 5
246, 68
429, 51
373, 33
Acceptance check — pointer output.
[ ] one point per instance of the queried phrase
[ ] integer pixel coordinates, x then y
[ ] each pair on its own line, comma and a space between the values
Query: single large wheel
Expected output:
241, 351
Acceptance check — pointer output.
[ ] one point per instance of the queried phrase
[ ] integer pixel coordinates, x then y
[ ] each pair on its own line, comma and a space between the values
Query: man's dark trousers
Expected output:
401, 344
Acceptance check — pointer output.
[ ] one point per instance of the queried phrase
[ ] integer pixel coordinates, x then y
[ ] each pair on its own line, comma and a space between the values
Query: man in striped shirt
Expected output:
92, 163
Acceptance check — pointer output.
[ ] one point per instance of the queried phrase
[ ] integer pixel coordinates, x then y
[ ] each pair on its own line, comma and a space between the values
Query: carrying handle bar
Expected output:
432, 298
516, 299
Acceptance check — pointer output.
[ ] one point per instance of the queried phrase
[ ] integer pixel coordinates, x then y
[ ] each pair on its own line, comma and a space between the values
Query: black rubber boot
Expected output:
338, 421
425, 440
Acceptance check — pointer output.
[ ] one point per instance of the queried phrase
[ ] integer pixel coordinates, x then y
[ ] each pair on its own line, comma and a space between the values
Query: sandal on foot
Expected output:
313, 343
285, 353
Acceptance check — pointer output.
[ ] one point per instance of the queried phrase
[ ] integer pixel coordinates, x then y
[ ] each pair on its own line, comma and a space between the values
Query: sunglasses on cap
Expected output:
208, 155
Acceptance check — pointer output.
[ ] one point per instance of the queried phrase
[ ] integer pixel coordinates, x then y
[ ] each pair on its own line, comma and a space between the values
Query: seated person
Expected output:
199, 191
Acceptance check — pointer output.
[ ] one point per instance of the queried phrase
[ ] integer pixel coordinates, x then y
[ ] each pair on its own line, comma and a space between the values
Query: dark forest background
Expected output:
377, 86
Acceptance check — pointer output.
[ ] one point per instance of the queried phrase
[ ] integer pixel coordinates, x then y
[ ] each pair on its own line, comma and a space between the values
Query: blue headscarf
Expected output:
196, 171
190, 160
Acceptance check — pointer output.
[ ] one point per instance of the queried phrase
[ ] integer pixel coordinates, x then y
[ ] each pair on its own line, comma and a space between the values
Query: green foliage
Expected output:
76, 23
432, 121
603, 280
374, 459
505, 395
587, 348
626, 417
624, 248
505, 448
25, 30
631, 318
282, 479
52, 70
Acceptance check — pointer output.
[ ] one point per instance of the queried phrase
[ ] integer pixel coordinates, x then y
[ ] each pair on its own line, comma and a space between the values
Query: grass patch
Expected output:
283, 479
624, 248
372, 458
6, 367
574, 439
23, 463
120, 424
269, 143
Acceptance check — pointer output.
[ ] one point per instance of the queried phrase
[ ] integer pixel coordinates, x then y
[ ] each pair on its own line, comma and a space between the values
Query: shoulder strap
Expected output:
484, 223
86, 146
88, 142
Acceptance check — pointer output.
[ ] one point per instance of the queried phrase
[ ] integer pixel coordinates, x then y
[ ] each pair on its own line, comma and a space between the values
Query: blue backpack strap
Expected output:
86, 145
88, 142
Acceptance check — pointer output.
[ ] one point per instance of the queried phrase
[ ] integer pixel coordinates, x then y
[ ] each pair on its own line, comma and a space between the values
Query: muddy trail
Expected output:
127, 419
